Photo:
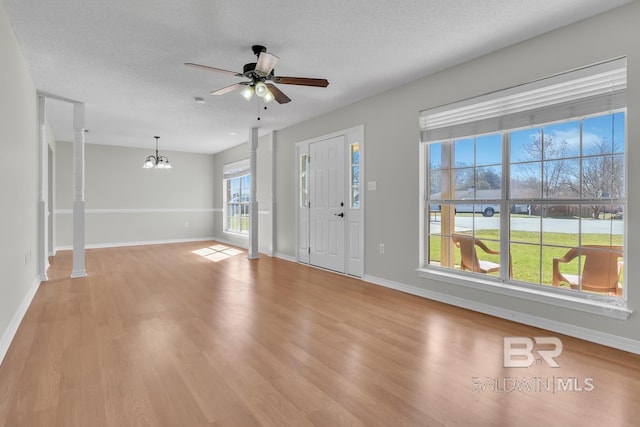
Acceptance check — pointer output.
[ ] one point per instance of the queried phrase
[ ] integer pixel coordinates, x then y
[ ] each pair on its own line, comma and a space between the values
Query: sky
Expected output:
609, 127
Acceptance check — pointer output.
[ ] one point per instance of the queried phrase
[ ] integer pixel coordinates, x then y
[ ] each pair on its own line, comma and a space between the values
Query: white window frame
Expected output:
591, 90
233, 170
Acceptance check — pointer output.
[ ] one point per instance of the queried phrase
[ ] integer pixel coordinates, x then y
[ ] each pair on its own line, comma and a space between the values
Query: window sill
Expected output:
590, 303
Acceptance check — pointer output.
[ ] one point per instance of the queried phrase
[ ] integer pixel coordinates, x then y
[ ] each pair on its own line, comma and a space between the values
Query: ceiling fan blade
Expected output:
219, 70
302, 81
228, 89
266, 63
280, 97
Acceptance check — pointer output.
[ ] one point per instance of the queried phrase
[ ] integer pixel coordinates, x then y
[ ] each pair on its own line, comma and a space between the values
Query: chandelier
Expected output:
157, 161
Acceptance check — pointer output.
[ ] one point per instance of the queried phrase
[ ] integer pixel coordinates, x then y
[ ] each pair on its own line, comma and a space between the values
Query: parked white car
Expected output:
487, 210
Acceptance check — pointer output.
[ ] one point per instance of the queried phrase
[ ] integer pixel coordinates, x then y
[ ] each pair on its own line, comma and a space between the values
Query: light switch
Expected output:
371, 186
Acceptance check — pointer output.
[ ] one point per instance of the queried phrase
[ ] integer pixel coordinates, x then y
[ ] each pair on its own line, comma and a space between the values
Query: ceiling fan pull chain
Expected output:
258, 104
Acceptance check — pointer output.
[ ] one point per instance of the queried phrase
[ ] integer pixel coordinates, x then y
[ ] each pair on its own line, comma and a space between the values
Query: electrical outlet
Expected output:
381, 249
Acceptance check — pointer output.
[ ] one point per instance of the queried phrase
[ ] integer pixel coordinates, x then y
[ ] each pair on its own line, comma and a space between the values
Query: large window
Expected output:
535, 205
237, 195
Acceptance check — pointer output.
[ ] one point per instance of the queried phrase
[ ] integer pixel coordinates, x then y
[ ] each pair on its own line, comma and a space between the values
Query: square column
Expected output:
253, 203
79, 268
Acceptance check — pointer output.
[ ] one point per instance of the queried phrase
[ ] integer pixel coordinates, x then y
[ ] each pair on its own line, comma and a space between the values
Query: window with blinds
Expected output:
527, 185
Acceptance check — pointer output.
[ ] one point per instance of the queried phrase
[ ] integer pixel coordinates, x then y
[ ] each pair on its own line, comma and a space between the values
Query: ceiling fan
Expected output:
261, 78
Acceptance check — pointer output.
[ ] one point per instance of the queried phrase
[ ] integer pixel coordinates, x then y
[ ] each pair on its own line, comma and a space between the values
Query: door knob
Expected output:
341, 214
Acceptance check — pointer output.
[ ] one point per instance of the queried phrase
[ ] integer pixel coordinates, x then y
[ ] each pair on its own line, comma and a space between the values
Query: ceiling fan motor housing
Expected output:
249, 71
258, 49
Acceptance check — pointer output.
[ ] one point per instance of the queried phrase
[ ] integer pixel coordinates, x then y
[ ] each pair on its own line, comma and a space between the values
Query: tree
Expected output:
555, 177
435, 182
602, 176
557, 171
464, 179
487, 179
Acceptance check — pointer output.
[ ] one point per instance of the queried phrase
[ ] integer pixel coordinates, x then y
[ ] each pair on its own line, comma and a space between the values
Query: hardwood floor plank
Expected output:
168, 393
127, 402
163, 336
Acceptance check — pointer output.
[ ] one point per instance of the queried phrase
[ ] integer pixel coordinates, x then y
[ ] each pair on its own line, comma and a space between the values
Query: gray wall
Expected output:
18, 185
127, 204
391, 140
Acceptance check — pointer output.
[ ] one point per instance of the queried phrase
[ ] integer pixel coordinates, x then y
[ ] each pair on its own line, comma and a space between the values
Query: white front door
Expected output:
327, 204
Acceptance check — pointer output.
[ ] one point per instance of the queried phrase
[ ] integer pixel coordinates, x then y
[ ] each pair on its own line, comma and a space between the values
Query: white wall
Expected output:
18, 185
392, 136
126, 204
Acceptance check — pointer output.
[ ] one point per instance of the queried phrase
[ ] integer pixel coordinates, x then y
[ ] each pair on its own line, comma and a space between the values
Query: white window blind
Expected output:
577, 93
232, 170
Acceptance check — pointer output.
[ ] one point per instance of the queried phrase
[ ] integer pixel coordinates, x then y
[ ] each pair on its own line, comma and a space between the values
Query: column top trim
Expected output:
58, 97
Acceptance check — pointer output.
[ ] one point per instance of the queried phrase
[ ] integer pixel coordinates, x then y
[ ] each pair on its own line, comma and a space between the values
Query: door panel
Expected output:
327, 210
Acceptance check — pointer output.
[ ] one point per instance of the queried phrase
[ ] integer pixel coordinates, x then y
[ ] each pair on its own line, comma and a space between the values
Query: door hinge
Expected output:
309, 249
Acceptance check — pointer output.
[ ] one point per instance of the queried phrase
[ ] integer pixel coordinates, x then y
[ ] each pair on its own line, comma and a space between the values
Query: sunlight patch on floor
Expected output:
217, 252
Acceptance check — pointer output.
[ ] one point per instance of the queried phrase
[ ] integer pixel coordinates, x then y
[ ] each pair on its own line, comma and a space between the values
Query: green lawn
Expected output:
238, 223
525, 252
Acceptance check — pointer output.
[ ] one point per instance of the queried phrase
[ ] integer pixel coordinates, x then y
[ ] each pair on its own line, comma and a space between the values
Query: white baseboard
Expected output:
243, 245
264, 251
285, 257
137, 211
609, 340
12, 329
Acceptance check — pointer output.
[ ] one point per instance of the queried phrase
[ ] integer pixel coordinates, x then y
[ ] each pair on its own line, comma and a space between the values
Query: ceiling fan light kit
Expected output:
261, 89
268, 97
247, 92
261, 78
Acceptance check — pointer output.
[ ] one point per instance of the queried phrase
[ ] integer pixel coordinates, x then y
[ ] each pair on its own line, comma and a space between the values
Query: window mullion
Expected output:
505, 273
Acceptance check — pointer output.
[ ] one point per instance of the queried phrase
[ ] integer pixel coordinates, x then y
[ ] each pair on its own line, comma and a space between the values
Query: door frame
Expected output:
354, 218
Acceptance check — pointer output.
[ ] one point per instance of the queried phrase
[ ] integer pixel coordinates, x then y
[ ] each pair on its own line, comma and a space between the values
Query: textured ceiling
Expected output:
124, 59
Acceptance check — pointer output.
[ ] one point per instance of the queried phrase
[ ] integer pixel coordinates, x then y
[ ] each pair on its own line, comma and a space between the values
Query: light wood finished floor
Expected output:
162, 336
